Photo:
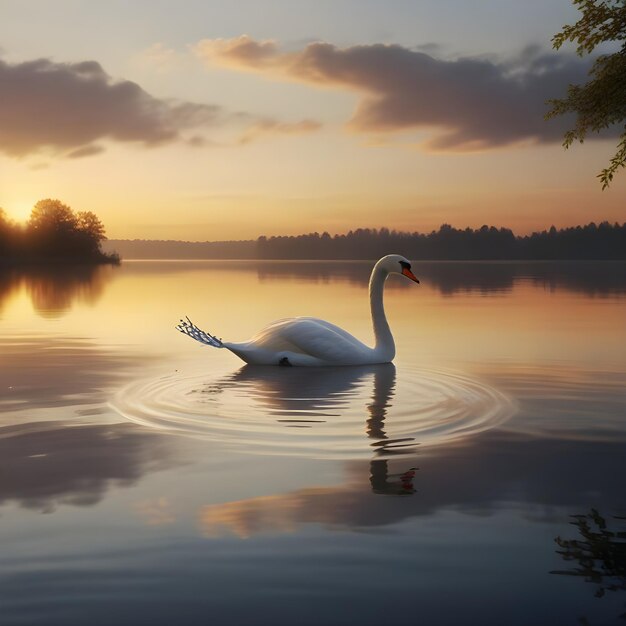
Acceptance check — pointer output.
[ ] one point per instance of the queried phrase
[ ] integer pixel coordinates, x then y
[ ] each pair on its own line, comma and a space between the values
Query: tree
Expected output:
5, 232
601, 102
90, 226
52, 215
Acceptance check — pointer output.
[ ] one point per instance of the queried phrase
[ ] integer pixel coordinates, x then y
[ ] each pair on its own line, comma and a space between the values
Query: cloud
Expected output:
467, 103
240, 51
156, 512
65, 108
85, 151
268, 127
68, 106
160, 57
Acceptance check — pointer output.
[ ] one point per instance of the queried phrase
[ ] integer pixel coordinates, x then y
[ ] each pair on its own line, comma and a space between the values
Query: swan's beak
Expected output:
409, 274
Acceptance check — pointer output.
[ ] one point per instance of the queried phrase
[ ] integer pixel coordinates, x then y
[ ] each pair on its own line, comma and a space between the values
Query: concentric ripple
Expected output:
342, 412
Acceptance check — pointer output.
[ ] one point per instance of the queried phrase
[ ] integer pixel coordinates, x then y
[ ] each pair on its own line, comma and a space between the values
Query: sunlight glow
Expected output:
19, 210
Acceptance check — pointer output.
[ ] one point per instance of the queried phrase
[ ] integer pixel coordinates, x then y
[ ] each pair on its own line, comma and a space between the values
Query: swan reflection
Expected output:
304, 397
384, 483
331, 412
291, 393
294, 396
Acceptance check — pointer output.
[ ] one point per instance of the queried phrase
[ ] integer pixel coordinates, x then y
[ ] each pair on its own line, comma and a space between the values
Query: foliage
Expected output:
601, 102
603, 241
53, 234
52, 215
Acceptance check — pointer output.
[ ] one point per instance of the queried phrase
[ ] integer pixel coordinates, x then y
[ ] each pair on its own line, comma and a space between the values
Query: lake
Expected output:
147, 479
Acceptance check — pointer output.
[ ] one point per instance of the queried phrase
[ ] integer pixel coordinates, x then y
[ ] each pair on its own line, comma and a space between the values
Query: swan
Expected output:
308, 341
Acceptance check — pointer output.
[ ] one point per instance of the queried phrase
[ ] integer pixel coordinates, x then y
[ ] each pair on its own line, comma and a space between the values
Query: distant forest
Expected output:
603, 241
54, 235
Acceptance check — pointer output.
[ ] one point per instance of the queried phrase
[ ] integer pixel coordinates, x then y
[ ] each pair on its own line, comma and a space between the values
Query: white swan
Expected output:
308, 341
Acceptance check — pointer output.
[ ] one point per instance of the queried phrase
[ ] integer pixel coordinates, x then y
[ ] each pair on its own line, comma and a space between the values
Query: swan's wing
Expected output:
311, 336
293, 325
335, 329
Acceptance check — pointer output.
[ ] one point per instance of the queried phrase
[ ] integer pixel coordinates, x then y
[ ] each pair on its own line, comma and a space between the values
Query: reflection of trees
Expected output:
600, 554
8, 287
53, 291
591, 278
594, 278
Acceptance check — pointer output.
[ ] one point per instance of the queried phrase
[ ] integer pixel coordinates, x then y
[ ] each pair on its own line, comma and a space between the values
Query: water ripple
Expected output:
342, 412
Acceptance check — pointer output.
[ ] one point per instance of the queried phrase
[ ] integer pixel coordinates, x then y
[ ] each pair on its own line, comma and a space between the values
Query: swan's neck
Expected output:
384, 339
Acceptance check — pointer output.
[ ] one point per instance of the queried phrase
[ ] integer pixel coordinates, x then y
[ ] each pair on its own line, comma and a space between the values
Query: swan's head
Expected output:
397, 264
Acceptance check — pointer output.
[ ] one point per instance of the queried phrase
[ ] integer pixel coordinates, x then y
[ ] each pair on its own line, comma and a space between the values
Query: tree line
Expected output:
592, 241
54, 234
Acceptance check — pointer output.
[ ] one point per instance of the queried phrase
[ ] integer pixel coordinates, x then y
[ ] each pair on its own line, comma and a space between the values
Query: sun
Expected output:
19, 210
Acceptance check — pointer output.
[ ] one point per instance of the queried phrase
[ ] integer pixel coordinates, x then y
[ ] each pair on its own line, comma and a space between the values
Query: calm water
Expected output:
146, 479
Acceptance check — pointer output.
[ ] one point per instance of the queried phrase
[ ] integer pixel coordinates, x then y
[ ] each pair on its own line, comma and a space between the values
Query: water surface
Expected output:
145, 478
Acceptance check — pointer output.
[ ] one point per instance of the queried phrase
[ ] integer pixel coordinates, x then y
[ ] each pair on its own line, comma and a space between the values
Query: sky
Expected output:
207, 120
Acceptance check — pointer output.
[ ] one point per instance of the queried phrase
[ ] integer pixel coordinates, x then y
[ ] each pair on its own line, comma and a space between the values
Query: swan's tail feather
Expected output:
191, 330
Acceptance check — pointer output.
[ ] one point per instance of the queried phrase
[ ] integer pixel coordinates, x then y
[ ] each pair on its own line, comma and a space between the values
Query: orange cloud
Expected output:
469, 103
160, 57
240, 51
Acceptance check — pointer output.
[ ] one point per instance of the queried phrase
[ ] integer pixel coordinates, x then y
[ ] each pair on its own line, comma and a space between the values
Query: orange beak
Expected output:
409, 274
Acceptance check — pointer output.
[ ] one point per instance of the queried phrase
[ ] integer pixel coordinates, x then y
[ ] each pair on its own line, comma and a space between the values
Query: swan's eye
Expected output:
404, 265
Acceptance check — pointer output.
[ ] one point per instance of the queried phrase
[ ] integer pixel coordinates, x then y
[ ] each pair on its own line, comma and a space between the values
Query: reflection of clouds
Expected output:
54, 291
329, 506
245, 518
156, 512
353, 505
543, 478
48, 372
43, 465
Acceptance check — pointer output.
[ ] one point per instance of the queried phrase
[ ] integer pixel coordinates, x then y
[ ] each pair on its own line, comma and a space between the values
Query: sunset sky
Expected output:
207, 120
